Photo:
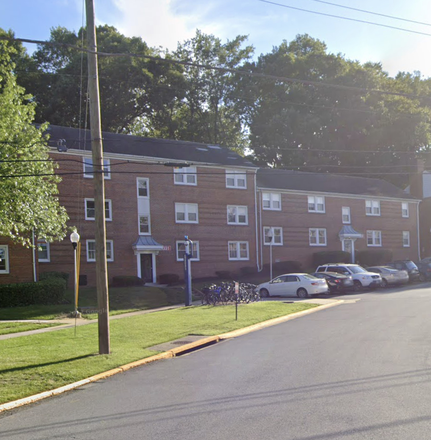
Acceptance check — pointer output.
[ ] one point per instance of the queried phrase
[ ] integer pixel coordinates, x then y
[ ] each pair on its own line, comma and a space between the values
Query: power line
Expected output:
346, 18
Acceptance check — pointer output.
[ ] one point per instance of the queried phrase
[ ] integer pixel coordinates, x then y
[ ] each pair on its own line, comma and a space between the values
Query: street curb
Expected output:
165, 355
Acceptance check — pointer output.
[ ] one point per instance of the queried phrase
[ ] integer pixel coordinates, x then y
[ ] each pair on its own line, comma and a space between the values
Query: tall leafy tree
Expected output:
28, 189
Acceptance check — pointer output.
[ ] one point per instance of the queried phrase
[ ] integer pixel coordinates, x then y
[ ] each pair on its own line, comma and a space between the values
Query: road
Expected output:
360, 370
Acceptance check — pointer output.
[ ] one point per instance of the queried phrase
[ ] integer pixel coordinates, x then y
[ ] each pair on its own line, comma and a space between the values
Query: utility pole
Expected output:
99, 185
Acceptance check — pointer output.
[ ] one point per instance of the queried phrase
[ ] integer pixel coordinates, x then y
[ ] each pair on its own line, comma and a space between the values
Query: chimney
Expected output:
416, 180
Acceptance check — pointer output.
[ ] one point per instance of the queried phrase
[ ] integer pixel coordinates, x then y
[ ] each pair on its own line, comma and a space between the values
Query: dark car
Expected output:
424, 267
337, 282
407, 265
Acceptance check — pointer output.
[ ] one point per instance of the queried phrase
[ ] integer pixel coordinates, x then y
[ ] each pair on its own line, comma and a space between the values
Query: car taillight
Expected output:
337, 281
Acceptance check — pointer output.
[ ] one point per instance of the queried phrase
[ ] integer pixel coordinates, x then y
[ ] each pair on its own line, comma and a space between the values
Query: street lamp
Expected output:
74, 238
271, 239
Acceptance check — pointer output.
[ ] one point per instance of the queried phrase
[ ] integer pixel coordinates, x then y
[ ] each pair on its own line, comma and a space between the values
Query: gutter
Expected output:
418, 230
259, 268
34, 256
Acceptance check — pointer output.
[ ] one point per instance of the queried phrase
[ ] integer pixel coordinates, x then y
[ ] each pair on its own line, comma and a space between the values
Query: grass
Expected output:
32, 364
17, 327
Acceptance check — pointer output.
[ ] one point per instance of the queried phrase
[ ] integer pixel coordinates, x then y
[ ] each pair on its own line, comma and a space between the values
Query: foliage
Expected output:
28, 190
281, 267
225, 274
126, 281
54, 274
168, 278
324, 257
49, 291
373, 257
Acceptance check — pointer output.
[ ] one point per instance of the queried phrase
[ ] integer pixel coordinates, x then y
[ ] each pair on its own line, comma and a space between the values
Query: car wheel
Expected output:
264, 293
384, 282
357, 286
302, 293
422, 277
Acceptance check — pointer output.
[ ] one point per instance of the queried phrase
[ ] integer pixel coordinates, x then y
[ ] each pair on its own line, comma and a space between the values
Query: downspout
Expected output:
257, 222
34, 256
418, 230
261, 235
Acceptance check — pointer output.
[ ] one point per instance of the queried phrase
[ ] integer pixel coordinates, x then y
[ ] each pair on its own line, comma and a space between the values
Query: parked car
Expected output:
361, 277
424, 267
293, 284
390, 276
337, 282
407, 265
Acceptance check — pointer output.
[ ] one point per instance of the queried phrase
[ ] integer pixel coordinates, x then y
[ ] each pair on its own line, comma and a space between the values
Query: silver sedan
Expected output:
390, 276
293, 284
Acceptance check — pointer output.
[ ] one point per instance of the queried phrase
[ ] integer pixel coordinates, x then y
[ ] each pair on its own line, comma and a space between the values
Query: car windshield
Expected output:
310, 277
410, 265
357, 269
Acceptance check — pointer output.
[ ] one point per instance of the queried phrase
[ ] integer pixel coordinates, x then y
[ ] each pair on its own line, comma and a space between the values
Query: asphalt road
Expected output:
356, 371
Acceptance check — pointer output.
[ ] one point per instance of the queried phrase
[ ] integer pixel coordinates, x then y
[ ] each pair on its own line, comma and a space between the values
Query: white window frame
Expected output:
277, 235
109, 250
318, 234
314, 202
189, 208
237, 215
372, 207
270, 200
139, 224
234, 177
42, 243
147, 183
376, 238
108, 210
238, 245
88, 168
405, 210
195, 250
185, 176
345, 215
5, 252
406, 238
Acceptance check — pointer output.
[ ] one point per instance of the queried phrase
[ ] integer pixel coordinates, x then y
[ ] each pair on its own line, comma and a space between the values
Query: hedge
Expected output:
168, 278
126, 281
373, 257
48, 291
46, 275
324, 257
281, 267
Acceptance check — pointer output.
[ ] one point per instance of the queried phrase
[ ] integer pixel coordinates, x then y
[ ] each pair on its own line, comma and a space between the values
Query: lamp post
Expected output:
271, 239
74, 238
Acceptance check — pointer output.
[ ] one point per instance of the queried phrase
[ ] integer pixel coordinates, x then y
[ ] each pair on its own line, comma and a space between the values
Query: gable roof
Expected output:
164, 149
327, 183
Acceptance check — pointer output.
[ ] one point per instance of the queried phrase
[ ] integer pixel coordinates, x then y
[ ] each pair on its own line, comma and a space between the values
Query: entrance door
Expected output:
147, 267
348, 246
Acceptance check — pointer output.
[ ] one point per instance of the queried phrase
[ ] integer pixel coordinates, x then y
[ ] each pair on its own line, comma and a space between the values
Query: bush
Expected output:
46, 275
324, 257
248, 270
373, 257
168, 278
48, 291
126, 281
225, 275
281, 267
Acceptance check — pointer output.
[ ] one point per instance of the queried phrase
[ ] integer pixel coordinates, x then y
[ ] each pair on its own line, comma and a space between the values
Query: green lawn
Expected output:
32, 364
17, 327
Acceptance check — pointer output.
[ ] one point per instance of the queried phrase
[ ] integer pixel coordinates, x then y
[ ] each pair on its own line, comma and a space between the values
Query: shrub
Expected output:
324, 257
48, 291
373, 257
126, 281
248, 270
225, 274
46, 275
168, 278
281, 267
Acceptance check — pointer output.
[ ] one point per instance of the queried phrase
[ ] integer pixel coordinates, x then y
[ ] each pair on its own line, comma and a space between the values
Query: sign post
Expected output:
236, 299
188, 244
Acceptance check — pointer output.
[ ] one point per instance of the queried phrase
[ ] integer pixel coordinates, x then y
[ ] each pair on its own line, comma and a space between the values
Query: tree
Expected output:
28, 191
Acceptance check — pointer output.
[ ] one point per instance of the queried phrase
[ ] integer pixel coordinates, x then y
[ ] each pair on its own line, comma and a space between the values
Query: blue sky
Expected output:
165, 22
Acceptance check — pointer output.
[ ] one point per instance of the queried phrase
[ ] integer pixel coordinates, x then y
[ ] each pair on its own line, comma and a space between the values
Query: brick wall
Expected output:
20, 263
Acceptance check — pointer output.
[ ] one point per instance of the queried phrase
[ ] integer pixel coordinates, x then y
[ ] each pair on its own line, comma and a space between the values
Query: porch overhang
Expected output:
348, 232
146, 244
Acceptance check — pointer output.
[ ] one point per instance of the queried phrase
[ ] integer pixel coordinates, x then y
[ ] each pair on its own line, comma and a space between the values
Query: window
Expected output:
90, 213
89, 169
185, 176
186, 213
4, 259
143, 187
144, 224
43, 251
91, 250
237, 215
181, 249
372, 207
236, 179
345, 215
405, 209
317, 237
406, 238
316, 204
271, 201
374, 238
238, 250
277, 235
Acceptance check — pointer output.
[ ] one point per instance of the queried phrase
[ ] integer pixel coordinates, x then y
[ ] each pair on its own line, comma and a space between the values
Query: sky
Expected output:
164, 23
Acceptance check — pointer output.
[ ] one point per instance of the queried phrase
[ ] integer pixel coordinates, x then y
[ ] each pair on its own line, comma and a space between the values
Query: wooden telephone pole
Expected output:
99, 185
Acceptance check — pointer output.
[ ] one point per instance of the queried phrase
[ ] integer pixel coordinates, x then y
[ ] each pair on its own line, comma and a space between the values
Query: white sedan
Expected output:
293, 284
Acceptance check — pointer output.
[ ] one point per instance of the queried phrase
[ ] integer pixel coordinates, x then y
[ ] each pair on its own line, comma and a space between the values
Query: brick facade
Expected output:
17, 266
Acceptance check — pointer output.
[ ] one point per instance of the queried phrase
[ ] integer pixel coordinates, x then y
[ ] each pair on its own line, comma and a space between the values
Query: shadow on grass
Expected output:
27, 367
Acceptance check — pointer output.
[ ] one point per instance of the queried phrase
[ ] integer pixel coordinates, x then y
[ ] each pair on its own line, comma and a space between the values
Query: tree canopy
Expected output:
28, 189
